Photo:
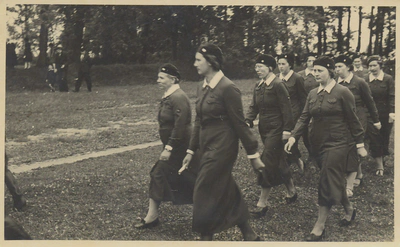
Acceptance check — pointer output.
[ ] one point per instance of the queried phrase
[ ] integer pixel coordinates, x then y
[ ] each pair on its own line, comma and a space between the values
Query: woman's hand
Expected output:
185, 163
362, 152
289, 145
391, 117
257, 164
378, 125
165, 155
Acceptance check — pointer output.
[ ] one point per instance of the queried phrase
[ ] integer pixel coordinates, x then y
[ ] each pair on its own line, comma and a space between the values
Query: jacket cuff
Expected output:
360, 145
253, 156
189, 152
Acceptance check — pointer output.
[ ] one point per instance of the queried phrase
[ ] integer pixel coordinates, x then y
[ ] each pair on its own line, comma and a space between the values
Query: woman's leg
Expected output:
152, 214
379, 165
350, 183
291, 190
264, 196
348, 208
247, 231
319, 226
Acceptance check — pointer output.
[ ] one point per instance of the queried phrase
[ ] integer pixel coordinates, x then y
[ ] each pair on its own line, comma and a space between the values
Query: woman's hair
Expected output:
375, 58
176, 79
331, 73
212, 54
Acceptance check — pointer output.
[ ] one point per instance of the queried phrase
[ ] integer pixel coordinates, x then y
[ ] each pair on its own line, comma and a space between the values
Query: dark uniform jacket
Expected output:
361, 73
309, 81
297, 93
335, 123
362, 95
383, 93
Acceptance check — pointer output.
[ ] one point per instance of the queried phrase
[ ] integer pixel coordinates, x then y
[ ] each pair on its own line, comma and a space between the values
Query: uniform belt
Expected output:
216, 122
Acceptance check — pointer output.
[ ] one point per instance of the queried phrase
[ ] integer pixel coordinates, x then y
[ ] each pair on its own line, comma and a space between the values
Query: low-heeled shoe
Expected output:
292, 199
259, 212
344, 222
143, 225
314, 238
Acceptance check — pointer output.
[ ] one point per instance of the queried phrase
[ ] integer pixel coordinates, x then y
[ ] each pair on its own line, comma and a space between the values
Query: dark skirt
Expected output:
332, 182
276, 170
167, 185
217, 200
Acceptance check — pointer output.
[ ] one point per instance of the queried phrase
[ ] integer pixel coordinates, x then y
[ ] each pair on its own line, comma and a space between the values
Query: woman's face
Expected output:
283, 66
321, 74
262, 70
310, 62
164, 80
357, 63
374, 67
201, 64
342, 70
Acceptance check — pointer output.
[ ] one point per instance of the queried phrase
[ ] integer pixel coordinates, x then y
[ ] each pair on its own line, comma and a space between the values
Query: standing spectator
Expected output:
11, 56
365, 106
295, 86
51, 77
271, 101
174, 120
335, 127
383, 92
359, 69
217, 201
27, 54
61, 70
84, 74
51, 56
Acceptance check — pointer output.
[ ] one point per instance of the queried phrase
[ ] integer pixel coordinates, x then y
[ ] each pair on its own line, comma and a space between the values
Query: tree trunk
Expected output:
359, 28
79, 24
321, 27
348, 34
339, 34
382, 25
371, 33
43, 39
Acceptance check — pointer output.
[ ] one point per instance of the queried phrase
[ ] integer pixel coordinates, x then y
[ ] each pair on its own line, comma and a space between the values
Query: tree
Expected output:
371, 32
360, 18
348, 34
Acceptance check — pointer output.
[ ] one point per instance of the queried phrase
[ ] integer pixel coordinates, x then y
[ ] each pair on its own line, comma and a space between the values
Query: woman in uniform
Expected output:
382, 88
365, 106
309, 84
295, 86
334, 128
271, 102
217, 200
359, 69
174, 128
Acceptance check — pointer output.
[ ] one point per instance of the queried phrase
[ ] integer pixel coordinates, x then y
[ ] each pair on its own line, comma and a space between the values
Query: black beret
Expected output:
325, 61
170, 69
374, 58
343, 59
267, 60
311, 54
211, 49
355, 56
289, 58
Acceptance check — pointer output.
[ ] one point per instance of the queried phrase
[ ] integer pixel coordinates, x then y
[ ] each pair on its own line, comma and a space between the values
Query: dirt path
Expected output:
75, 158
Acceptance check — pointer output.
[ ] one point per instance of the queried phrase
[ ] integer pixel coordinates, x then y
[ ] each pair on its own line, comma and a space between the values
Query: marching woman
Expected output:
295, 86
335, 127
271, 102
219, 124
382, 88
309, 84
174, 128
359, 69
365, 106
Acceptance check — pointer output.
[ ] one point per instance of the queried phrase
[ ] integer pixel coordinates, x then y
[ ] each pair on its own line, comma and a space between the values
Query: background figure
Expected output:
61, 70
271, 102
359, 69
11, 56
383, 92
365, 106
295, 86
217, 200
13, 231
11, 182
174, 118
27, 54
333, 131
84, 74
51, 77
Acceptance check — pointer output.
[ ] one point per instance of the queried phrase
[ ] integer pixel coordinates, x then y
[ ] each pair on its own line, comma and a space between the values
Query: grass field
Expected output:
100, 199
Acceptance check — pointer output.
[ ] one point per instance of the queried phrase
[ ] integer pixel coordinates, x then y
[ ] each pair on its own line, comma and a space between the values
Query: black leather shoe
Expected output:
143, 225
314, 238
259, 212
344, 222
258, 238
290, 200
